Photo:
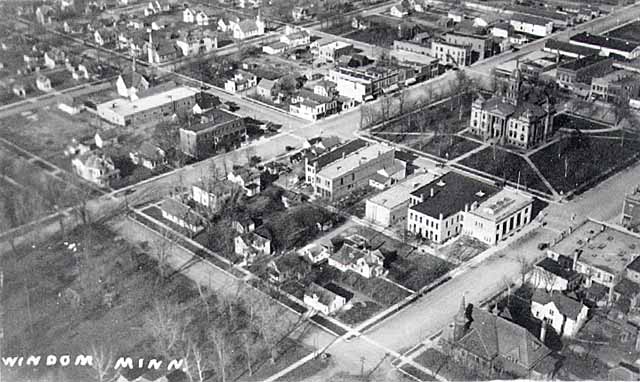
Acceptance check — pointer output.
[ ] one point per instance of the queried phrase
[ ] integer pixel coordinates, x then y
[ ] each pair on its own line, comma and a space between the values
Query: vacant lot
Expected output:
582, 160
45, 132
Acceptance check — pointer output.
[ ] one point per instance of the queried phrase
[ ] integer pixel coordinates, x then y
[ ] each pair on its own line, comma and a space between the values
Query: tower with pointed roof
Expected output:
460, 321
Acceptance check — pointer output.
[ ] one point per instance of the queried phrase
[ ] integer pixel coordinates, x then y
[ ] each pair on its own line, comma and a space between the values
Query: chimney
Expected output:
576, 255
466, 207
431, 193
343, 155
543, 330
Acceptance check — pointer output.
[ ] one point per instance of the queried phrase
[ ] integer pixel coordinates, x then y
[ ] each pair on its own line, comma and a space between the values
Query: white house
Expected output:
241, 81
399, 11
95, 167
181, 215
564, 314
148, 156
247, 178
322, 299
43, 83
315, 253
248, 28
195, 42
296, 39
367, 263
130, 84
252, 244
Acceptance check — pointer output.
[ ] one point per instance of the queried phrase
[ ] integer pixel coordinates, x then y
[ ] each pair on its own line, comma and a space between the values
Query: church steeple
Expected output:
460, 321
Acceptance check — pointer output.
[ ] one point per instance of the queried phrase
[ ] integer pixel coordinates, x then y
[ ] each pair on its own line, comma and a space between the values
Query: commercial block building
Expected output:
353, 171
330, 51
212, 131
152, 108
582, 70
498, 217
601, 253
314, 165
448, 53
481, 46
390, 207
365, 83
436, 209
618, 86
607, 45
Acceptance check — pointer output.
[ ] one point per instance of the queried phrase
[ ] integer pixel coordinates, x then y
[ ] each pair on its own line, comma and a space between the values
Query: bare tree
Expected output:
102, 362
162, 249
217, 336
386, 104
525, 267
166, 323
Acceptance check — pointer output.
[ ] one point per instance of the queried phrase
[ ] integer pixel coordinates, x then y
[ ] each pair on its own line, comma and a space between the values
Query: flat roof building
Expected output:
212, 131
607, 45
390, 207
152, 108
600, 252
352, 171
498, 217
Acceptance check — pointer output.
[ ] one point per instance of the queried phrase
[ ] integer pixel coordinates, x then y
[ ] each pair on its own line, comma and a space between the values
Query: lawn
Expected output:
568, 121
447, 147
359, 312
580, 161
505, 165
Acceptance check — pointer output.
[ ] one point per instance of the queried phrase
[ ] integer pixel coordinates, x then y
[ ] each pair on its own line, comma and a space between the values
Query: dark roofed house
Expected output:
551, 275
495, 347
435, 209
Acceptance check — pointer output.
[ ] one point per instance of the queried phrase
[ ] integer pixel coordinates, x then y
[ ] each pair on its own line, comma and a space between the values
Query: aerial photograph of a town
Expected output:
319, 190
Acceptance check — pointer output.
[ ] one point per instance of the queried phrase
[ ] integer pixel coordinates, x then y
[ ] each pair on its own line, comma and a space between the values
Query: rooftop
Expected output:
601, 246
337, 153
354, 160
529, 19
604, 42
502, 204
211, 118
551, 266
126, 107
401, 192
583, 62
563, 46
451, 193
620, 76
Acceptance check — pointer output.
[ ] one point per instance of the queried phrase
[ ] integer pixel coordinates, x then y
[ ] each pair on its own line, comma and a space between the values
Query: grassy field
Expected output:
507, 166
572, 122
578, 160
